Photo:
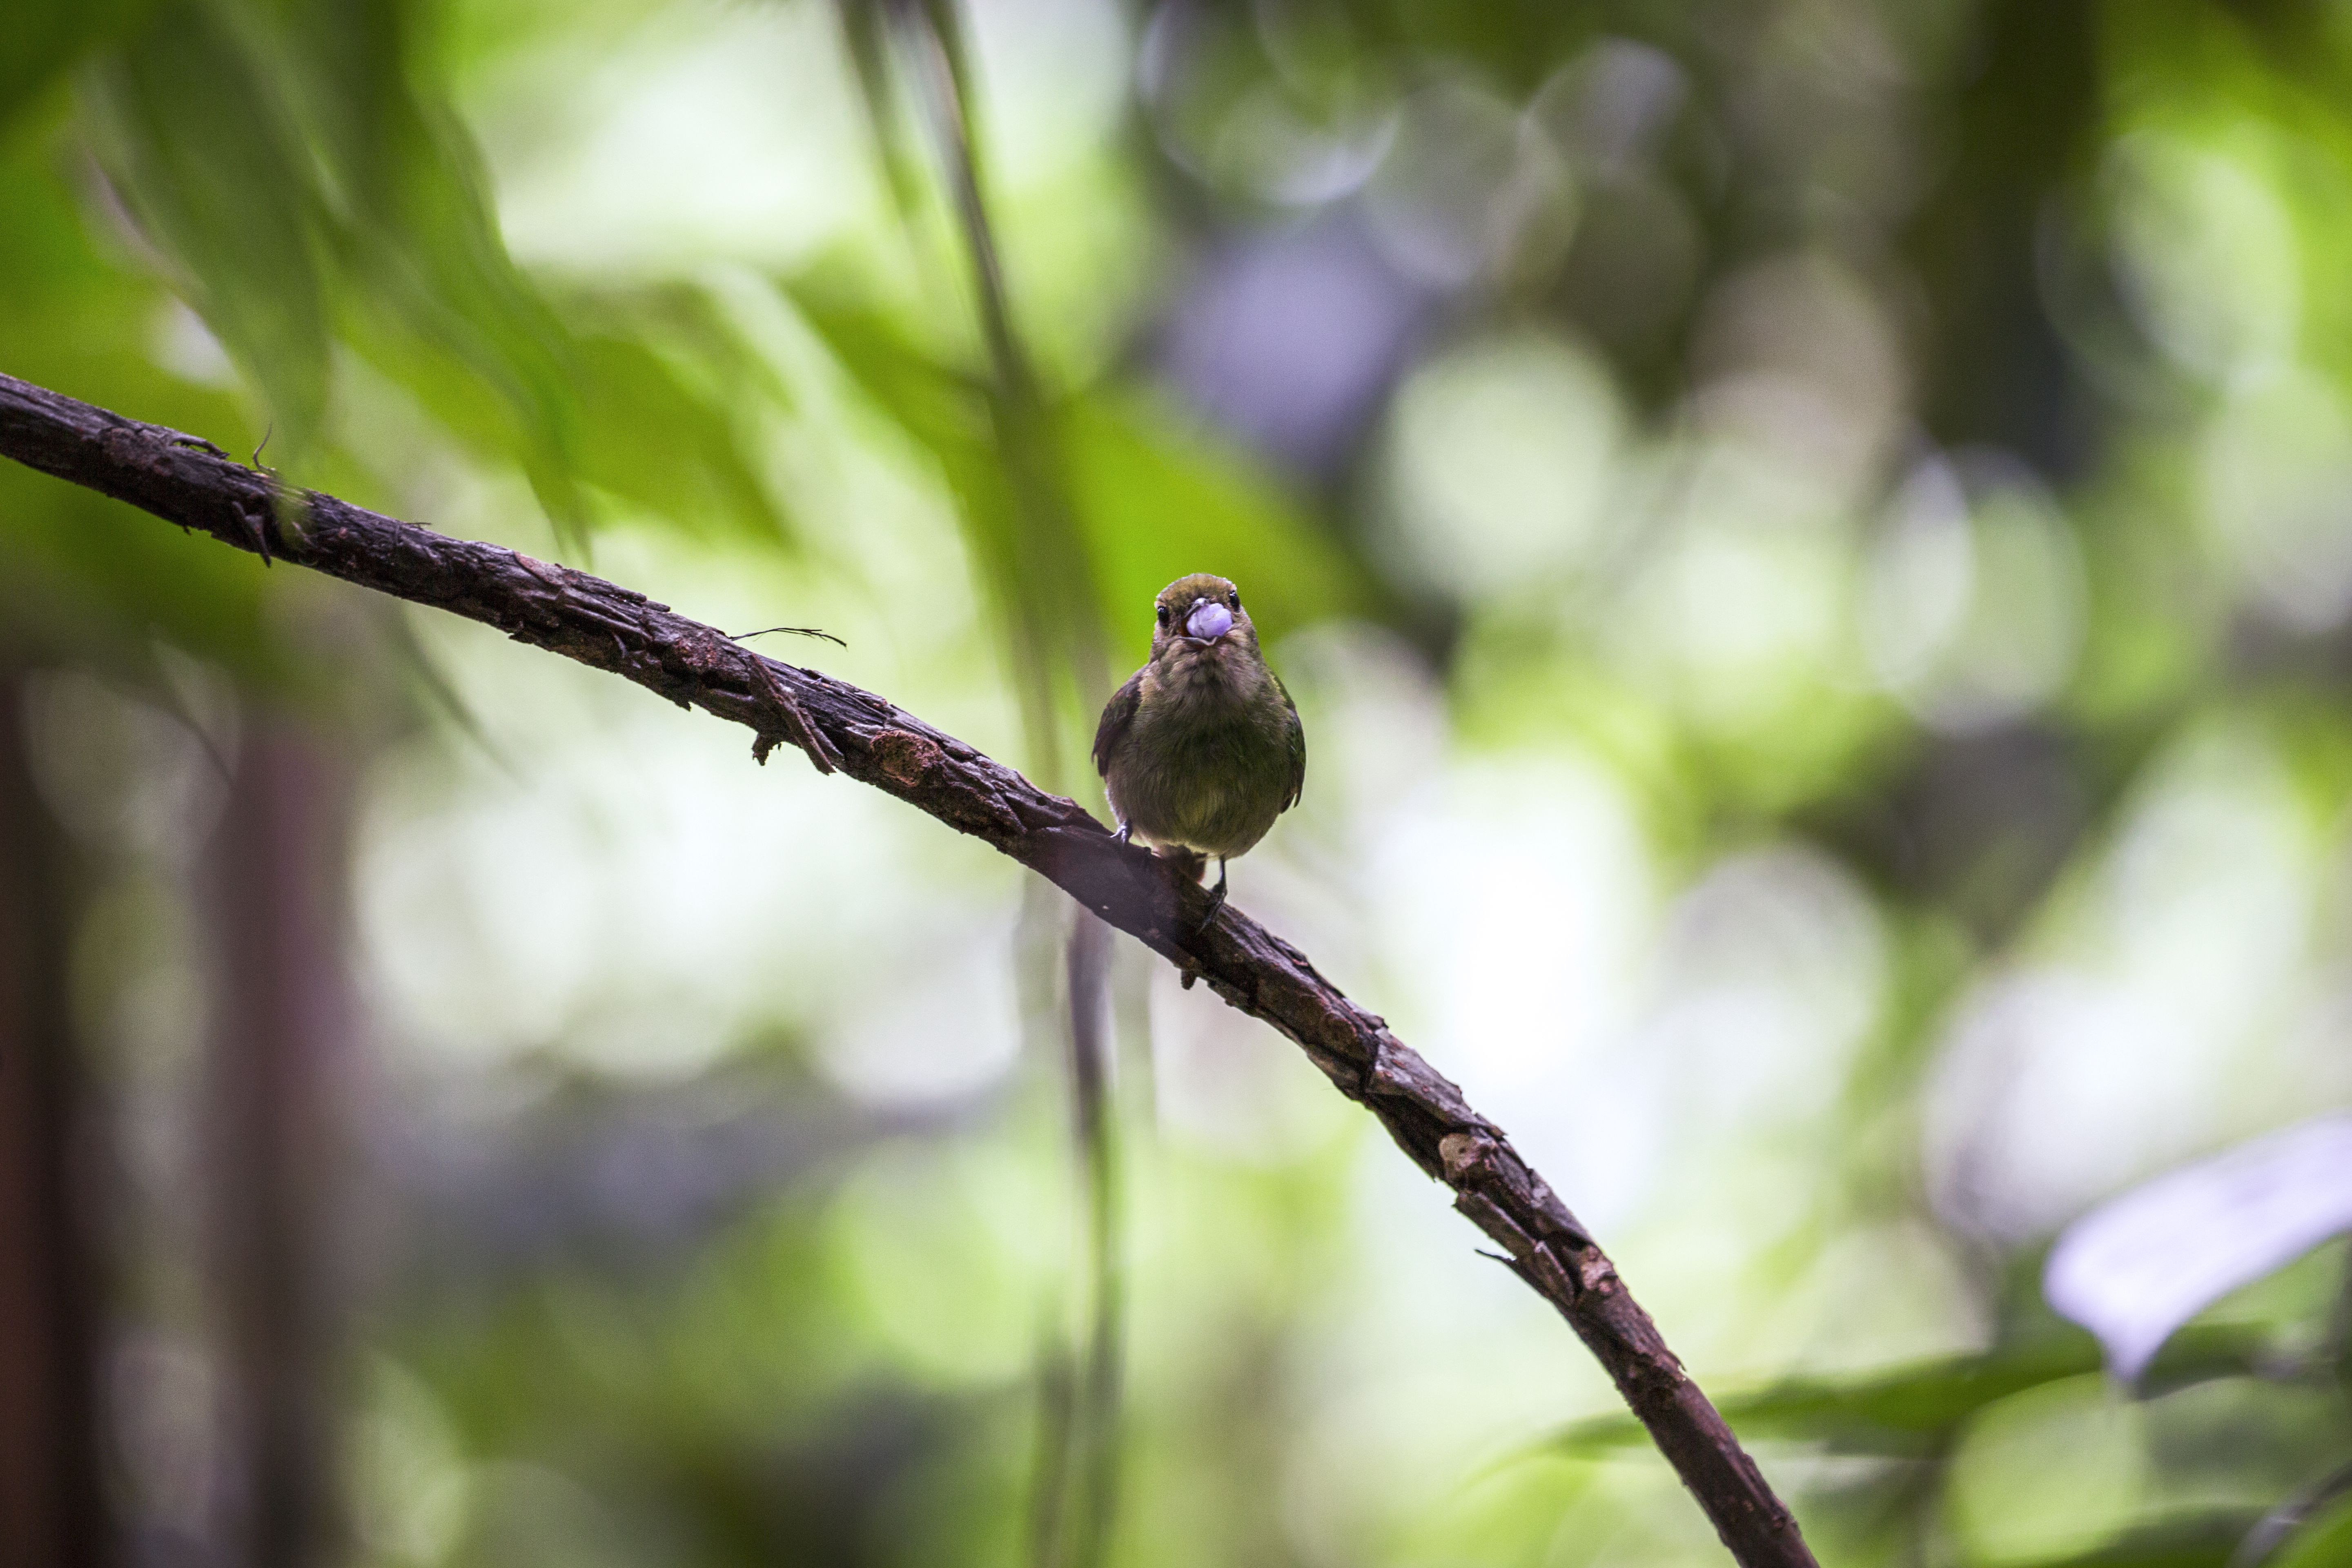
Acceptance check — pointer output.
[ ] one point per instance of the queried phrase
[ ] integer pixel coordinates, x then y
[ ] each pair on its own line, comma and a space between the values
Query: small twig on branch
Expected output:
613, 629
796, 631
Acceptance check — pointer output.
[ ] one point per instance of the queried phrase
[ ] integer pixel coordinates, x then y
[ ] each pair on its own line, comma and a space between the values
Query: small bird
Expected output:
1202, 749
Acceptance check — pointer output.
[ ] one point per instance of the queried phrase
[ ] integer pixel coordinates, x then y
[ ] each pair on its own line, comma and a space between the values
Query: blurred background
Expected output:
1813, 542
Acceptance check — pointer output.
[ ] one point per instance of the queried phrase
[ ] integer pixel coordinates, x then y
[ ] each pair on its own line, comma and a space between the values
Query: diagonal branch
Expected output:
187, 482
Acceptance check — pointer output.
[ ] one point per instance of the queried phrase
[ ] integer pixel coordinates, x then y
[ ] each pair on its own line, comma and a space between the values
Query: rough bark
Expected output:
190, 482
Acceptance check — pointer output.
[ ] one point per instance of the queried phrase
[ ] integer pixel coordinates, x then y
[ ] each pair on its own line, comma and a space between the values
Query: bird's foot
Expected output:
1216, 897
1123, 833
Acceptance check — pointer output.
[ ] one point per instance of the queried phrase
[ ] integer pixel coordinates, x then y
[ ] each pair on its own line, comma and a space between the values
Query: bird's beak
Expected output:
1208, 622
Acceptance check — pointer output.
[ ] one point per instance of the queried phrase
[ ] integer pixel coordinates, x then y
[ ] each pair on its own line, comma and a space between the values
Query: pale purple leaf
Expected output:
2138, 1267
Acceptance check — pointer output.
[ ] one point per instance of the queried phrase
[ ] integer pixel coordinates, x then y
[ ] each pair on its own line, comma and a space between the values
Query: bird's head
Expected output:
1201, 615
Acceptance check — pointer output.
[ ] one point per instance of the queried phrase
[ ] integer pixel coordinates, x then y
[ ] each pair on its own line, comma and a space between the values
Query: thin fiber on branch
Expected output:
188, 481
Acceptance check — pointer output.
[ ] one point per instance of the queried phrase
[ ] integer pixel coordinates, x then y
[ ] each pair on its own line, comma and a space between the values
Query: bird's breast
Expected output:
1204, 764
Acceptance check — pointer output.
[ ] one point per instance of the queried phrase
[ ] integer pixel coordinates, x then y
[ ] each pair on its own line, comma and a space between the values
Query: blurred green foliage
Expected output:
1885, 463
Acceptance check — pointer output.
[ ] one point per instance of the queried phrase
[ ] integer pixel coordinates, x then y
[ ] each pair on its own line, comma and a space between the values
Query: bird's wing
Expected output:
1297, 747
1117, 713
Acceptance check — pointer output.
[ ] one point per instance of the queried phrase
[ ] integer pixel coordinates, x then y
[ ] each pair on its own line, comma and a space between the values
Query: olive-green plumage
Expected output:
1202, 749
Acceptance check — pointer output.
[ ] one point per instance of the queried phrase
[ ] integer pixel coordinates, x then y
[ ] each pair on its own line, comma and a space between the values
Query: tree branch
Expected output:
190, 482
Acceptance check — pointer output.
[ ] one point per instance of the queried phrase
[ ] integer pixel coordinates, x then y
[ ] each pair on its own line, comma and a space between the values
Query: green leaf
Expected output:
300, 182
949, 413
45, 39
2199, 1541
419, 237
1910, 1410
659, 433
198, 144
2325, 1543
865, 35
1159, 501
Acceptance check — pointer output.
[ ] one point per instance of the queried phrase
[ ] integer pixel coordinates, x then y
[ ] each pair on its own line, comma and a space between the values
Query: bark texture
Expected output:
190, 482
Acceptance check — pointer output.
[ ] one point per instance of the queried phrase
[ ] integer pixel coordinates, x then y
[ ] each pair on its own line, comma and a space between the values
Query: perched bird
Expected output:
1202, 749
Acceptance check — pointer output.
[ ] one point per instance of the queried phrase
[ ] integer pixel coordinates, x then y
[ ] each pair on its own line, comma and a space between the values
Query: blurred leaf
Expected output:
77, 320
1910, 1410
87, 578
2325, 1543
651, 400
438, 263
45, 39
651, 442
671, 398
420, 235
946, 412
865, 31
1159, 501
1026, 537
2292, 1520
199, 146
297, 182
1156, 500
2138, 1267
2199, 1540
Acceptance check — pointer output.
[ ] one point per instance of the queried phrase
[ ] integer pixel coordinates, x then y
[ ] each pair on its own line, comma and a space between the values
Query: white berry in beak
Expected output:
1208, 621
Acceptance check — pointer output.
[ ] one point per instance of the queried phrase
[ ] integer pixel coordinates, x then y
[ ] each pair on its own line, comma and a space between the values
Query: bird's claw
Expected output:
1216, 897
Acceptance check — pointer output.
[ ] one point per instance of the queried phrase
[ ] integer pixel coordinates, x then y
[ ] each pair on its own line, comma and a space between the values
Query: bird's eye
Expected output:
1164, 615
1237, 597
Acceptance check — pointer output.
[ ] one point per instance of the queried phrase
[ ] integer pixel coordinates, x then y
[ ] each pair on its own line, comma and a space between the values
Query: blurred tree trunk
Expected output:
1998, 371
273, 888
52, 1500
